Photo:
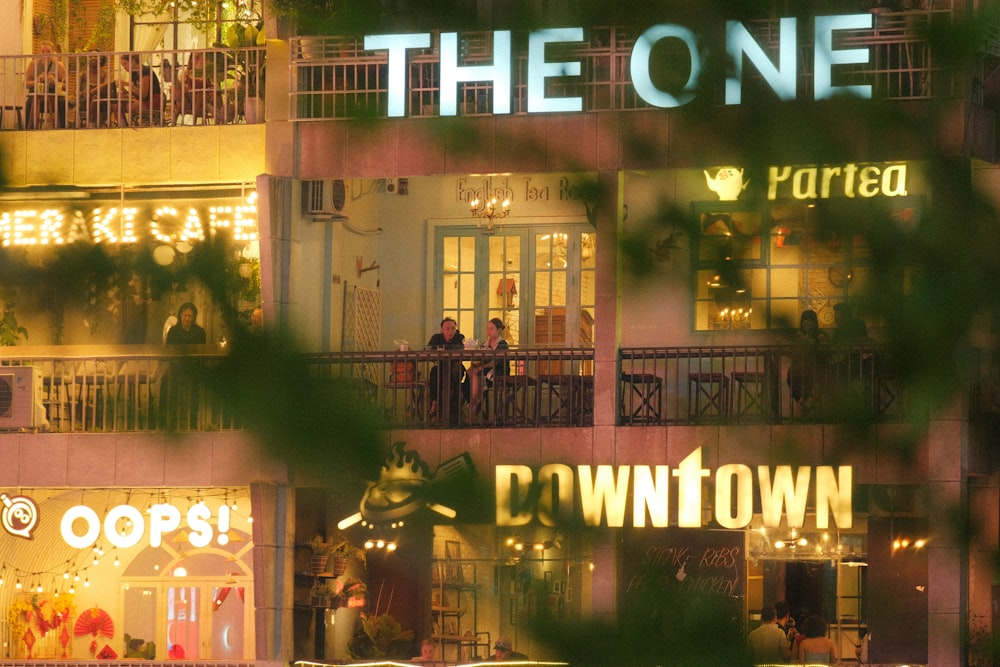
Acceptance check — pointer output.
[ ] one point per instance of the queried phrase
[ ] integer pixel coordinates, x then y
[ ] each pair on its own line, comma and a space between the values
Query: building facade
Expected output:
661, 437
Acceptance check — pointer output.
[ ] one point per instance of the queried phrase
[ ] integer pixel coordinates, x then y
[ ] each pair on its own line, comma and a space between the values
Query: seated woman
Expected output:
45, 81
195, 92
481, 372
140, 99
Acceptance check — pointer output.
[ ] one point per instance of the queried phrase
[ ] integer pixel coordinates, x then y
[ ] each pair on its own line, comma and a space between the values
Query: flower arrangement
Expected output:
29, 614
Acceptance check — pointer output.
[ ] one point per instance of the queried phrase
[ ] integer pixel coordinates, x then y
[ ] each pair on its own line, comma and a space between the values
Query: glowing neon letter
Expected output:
539, 70
513, 484
690, 474
452, 74
724, 478
555, 503
86, 515
826, 57
397, 45
652, 494
639, 67
739, 42
600, 492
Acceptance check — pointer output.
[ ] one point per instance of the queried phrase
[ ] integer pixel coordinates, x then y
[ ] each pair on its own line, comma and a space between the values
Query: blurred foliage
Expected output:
932, 288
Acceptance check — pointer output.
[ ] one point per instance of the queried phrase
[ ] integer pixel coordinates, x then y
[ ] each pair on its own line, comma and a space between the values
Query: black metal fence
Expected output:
765, 384
472, 388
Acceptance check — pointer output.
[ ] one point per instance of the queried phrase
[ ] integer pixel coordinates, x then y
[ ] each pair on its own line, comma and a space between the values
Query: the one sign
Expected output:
740, 44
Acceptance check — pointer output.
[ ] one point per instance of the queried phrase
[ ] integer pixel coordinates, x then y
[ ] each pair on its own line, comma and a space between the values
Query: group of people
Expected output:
503, 651
450, 381
821, 360
103, 98
99, 96
777, 640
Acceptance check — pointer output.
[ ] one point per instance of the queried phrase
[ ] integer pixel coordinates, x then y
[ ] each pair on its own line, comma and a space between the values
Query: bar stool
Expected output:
510, 398
708, 395
640, 398
414, 393
18, 117
750, 394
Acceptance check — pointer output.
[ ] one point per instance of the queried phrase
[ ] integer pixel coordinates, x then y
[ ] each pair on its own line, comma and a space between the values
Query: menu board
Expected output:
672, 570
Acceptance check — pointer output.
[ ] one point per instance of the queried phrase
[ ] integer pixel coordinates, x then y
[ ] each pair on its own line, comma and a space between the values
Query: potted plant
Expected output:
326, 17
321, 595
249, 69
379, 636
10, 331
342, 552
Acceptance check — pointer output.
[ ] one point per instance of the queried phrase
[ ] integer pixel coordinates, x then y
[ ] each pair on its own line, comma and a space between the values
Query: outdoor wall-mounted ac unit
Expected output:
21, 405
325, 198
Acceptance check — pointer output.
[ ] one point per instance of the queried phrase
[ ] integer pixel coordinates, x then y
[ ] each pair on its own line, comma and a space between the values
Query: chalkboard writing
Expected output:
677, 567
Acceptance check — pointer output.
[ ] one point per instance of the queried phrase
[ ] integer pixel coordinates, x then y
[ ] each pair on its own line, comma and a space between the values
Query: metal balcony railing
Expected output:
766, 384
425, 390
133, 89
334, 77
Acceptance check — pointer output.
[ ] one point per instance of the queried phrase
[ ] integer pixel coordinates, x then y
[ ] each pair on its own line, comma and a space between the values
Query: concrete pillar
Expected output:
273, 508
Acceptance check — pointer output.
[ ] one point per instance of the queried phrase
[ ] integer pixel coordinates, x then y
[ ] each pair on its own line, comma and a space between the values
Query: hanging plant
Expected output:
102, 37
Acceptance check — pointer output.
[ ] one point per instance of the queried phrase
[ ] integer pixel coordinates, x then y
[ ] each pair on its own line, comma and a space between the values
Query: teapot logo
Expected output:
728, 183
19, 515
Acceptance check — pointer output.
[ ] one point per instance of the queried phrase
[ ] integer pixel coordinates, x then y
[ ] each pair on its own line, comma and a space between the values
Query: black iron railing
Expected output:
757, 384
520, 388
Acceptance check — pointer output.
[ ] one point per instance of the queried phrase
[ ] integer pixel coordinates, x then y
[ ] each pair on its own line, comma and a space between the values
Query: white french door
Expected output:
538, 280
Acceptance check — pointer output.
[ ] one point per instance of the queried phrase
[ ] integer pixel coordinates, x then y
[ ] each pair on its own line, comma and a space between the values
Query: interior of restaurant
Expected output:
158, 585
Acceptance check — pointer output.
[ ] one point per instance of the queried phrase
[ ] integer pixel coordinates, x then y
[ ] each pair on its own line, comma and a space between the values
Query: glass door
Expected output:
538, 280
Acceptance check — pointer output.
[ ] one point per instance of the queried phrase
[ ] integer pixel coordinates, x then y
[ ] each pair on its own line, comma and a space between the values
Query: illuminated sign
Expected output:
740, 44
125, 526
605, 492
850, 180
405, 486
19, 515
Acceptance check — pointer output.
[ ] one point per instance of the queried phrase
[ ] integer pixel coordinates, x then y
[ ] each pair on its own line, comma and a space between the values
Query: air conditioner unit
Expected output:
392, 186
325, 198
21, 405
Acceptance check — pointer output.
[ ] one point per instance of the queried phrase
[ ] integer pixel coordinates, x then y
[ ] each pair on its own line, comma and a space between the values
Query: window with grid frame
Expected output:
757, 267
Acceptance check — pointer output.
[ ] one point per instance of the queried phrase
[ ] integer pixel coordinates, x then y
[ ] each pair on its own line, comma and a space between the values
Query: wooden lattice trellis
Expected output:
366, 329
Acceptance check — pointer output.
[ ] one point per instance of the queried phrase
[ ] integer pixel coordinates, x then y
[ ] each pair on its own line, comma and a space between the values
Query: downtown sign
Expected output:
559, 494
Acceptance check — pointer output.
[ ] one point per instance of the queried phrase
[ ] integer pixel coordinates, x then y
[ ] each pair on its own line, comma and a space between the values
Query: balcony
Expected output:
336, 78
98, 140
542, 388
98, 90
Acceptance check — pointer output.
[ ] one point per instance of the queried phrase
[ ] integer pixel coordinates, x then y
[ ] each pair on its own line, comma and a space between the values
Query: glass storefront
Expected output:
141, 573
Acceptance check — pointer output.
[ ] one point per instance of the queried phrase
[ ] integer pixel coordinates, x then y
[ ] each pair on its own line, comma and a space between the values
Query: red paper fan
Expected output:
94, 622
